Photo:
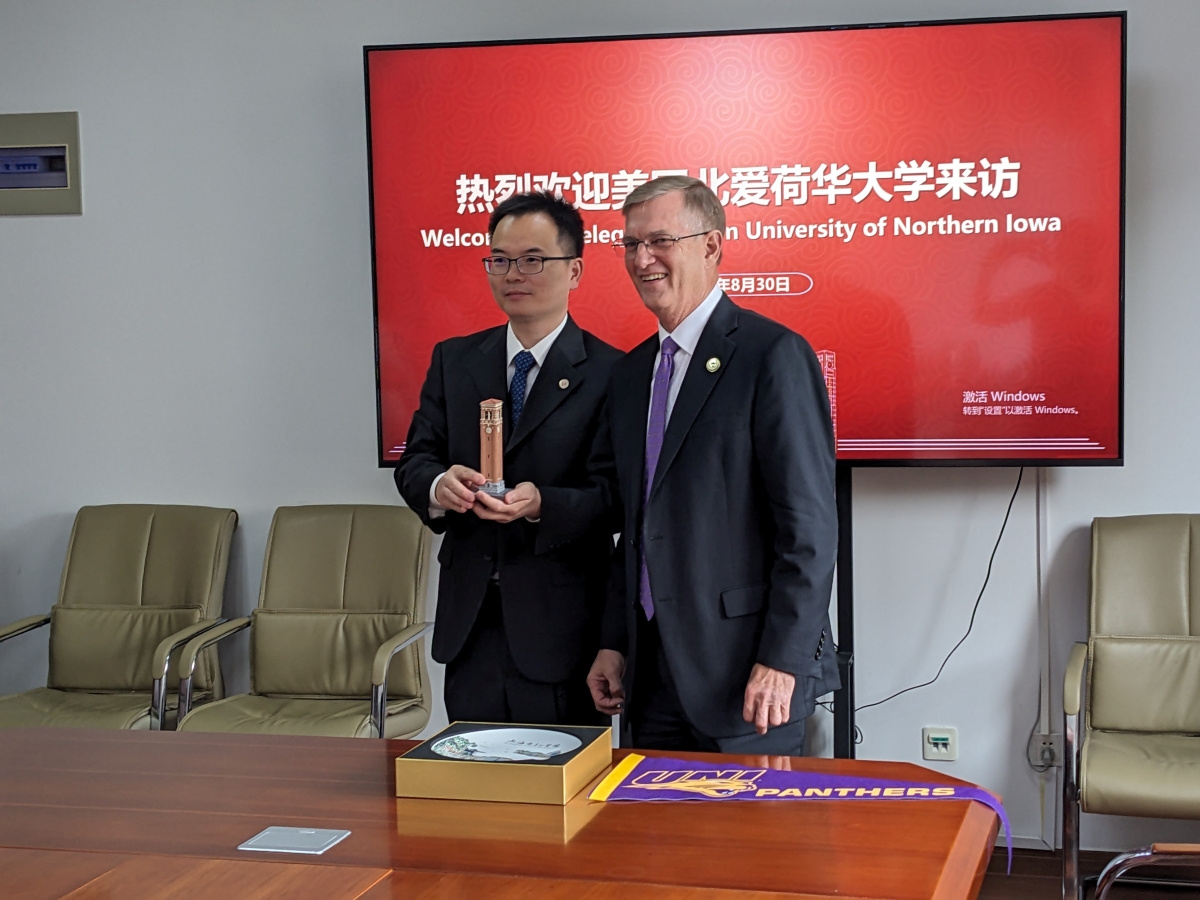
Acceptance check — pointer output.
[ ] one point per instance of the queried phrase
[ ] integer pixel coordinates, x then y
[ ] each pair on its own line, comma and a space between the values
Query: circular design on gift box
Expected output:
507, 745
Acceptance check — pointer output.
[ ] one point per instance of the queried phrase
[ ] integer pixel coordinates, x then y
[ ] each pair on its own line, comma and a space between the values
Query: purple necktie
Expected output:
654, 441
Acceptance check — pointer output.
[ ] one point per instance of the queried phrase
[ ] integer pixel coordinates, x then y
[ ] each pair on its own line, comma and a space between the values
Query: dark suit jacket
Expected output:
552, 572
741, 524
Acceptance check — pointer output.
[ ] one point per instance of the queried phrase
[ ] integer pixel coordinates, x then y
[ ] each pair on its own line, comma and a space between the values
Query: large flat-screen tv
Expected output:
937, 207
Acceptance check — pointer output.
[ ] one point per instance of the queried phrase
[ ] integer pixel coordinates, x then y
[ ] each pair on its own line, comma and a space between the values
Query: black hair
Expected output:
566, 217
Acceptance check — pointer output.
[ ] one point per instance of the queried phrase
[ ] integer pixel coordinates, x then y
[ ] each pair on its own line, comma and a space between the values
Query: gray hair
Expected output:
697, 198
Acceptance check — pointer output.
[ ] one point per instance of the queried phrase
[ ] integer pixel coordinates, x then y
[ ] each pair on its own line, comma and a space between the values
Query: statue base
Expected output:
494, 488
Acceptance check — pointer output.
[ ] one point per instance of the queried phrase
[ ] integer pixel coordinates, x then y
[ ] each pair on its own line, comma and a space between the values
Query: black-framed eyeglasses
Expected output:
656, 245
526, 265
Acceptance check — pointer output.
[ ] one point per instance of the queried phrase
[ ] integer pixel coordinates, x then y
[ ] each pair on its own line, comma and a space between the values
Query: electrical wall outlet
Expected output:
939, 744
1045, 750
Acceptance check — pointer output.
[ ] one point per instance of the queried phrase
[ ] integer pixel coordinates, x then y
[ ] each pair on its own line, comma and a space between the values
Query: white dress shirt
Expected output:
687, 336
539, 350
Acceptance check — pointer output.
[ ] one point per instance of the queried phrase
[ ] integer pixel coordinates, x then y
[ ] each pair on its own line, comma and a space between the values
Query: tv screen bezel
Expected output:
932, 462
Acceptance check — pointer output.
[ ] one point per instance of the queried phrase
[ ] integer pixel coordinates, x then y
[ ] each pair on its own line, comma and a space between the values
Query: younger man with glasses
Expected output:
522, 578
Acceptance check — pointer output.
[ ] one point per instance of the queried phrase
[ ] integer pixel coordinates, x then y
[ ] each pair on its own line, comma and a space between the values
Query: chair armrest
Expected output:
379, 670
23, 625
161, 663
187, 658
1073, 680
392, 646
162, 653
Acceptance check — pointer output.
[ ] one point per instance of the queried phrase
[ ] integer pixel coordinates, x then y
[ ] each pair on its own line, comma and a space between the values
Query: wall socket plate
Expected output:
939, 744
1045, 750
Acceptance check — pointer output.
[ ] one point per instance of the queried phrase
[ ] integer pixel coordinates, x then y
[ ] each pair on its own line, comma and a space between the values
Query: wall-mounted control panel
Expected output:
33, 167
39, 164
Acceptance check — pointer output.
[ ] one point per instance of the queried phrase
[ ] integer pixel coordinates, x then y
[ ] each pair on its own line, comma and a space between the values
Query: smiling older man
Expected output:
716, 635
522, 578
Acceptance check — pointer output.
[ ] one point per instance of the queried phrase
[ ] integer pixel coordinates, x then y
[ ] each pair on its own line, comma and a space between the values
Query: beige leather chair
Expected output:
1138, 752
343, 592
138, 582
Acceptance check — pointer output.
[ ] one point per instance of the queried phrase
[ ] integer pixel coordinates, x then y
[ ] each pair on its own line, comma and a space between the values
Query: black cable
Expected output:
974, 610
1032, 728
828, 707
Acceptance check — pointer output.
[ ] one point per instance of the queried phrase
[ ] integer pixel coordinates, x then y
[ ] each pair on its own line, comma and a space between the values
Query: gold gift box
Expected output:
422, 774
535, 823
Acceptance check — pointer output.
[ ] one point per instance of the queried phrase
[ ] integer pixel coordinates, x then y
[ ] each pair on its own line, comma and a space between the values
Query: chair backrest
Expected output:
338, 581
1144, 635
135, 574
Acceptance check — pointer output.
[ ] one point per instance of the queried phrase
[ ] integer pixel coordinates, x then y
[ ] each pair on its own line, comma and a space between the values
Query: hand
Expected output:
454, 491
768, 697
604, 681
522, 502
779, 763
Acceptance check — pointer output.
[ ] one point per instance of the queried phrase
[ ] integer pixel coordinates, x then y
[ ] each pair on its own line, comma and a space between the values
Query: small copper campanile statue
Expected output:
491, 446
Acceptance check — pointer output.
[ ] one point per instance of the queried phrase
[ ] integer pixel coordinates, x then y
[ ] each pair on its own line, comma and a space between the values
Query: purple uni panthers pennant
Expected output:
659, 778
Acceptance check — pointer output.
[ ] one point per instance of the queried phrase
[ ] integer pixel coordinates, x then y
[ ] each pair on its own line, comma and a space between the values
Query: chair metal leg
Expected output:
158, 703
378, 708
1072, 884
1180, 854
1074, 709
185, 697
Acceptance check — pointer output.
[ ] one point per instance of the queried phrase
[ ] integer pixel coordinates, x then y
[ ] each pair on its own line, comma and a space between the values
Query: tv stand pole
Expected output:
843, 699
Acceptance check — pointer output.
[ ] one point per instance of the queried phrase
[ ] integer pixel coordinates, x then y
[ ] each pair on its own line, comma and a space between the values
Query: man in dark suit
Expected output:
717, 629
522, 580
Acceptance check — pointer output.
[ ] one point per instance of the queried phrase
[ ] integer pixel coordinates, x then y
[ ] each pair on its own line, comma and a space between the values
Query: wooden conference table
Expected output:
133, 815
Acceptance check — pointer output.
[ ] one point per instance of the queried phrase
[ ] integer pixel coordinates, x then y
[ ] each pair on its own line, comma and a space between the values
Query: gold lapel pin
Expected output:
564, 384
713, 364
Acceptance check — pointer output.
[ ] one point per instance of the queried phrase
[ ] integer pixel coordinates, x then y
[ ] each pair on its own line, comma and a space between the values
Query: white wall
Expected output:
203, 333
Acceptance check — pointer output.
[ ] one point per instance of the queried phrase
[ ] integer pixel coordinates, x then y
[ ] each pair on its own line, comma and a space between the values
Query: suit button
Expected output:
487, 556
818, 656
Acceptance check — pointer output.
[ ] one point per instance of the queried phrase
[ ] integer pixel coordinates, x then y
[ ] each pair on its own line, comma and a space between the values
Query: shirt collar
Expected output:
540, 349
687, 332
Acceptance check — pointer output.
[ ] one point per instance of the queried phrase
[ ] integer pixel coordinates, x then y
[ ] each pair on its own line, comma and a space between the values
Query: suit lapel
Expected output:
487, 368
566, 353
631, 406
698, 382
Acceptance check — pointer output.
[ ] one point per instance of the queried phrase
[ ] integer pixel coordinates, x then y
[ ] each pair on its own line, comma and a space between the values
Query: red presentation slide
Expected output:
937, 208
